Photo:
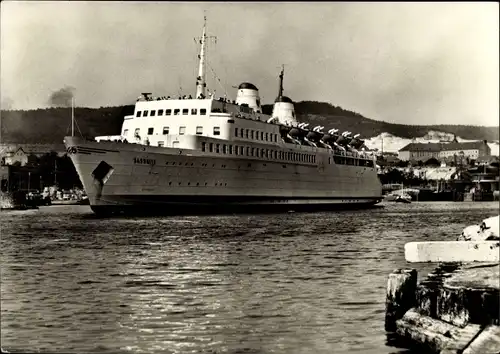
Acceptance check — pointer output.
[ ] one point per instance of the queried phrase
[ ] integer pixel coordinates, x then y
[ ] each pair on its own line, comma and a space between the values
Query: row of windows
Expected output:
256, 135
256, 152
166, 131
243, 133
169, 112
280, 155
344, 160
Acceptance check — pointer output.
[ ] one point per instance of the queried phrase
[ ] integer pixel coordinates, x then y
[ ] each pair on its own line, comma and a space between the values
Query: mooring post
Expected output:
401, 288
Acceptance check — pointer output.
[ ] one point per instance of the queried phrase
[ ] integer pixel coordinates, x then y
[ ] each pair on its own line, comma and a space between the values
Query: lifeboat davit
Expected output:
284, 129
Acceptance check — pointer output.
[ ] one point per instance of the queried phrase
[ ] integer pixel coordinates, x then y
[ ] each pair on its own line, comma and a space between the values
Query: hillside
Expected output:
52, 124
320, 113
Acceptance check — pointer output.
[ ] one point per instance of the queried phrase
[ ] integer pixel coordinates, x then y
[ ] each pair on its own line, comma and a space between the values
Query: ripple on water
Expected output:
292, 283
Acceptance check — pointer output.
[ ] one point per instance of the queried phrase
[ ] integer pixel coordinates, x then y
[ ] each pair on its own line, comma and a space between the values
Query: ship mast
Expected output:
72, 116
201, 80
280, 92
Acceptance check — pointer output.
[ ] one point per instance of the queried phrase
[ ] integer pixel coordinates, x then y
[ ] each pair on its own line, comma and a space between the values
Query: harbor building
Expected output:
425, 151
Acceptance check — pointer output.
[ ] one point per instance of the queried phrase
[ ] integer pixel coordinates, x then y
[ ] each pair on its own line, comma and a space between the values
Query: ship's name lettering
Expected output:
144, 161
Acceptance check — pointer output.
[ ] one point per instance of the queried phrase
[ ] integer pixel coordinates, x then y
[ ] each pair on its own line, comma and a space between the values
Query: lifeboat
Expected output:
330, 137
356, 142
344, 138
316, 134
299, 131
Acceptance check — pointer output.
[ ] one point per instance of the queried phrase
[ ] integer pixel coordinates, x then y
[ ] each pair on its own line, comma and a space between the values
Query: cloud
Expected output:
416, 63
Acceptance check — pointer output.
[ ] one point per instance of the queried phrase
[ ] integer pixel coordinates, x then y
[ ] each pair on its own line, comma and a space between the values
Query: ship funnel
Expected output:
283, 106
249, 94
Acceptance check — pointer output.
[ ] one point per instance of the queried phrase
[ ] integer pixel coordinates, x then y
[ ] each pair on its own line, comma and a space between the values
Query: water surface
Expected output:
285, 283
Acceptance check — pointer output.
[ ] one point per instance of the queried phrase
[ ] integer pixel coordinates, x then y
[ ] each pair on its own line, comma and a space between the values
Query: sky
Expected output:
409, 63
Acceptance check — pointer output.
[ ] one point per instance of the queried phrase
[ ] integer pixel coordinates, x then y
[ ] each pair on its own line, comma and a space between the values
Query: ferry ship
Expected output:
211, 154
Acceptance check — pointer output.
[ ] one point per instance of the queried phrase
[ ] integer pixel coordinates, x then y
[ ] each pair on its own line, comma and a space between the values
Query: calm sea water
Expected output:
289, 283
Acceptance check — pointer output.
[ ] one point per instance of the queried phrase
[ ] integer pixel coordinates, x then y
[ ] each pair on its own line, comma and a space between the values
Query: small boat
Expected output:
404, 198
400, 197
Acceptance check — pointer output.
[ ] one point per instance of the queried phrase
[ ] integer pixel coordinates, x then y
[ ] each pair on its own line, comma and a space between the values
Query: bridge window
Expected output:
160, 112
203, 112
241, 132
216, 130
217, 148
266, 136
261, 135
246, 133
230, 149
165, 130
185, 111
251, 134
153, 113
182, 130
248, 151
194, 111
199, 130
211, 147
150, 131
224, 149
236, 150
253, 152
160, 144
176, 112
168, 112
138, 113
145, 114
235, 131
203, 146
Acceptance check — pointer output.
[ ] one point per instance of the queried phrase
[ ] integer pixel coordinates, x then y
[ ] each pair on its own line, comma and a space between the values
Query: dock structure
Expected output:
456, 308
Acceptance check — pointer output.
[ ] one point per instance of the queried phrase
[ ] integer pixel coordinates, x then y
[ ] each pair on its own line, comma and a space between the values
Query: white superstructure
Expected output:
207, 152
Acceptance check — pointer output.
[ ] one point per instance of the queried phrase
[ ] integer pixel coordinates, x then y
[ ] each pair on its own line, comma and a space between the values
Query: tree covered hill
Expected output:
52, 124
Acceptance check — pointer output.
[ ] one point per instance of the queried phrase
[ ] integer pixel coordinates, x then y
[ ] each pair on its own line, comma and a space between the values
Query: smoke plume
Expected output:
62, 97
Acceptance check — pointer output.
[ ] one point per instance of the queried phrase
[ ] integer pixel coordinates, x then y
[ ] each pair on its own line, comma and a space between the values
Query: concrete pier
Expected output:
456, 309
